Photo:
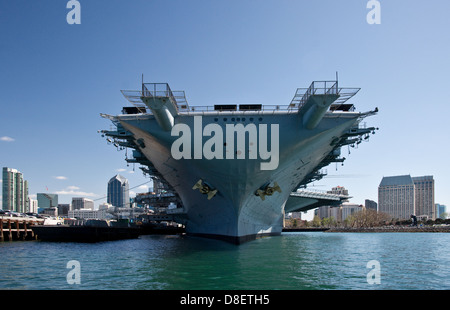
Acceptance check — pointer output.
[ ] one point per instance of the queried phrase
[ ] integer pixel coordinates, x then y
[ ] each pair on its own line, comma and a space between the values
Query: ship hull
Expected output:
236, 212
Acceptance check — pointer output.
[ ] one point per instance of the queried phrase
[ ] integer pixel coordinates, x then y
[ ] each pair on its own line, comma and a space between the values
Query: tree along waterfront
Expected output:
366, 218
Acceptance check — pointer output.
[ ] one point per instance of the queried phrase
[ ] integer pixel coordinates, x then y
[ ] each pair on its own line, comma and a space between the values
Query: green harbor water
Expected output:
292, 261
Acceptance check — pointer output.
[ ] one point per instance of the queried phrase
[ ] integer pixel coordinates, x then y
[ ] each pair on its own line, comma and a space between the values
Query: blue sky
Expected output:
56, 79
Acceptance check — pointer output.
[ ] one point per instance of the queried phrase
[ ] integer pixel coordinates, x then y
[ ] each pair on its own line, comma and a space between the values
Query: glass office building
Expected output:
118, 192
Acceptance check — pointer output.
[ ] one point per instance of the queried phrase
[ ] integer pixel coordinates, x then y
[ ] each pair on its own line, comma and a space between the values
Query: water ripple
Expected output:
293, 261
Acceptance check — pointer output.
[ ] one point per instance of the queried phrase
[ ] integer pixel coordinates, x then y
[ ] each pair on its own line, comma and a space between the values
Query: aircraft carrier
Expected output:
233, 167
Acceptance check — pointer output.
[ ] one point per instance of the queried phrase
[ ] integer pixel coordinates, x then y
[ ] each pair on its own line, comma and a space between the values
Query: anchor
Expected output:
268, 190
205, 189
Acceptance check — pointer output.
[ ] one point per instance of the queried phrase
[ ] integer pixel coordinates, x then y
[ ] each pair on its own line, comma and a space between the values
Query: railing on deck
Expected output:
300, 98
156, 90
322, 88
263, 108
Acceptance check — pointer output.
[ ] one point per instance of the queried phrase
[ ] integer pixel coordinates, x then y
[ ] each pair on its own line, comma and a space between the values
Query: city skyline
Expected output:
118, 186
57, 78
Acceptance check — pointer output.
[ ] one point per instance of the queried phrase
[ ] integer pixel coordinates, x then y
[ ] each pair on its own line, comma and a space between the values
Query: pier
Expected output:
17, 228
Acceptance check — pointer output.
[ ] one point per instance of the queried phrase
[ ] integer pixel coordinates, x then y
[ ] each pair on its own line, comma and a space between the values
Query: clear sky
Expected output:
56, 79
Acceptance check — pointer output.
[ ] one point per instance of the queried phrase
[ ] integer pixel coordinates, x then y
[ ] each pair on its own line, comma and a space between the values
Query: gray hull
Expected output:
235, 212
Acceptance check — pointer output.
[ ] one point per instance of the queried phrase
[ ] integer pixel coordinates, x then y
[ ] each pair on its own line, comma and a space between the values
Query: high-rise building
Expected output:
370, 204
15, 191
32, 205
335, 212
348, 209
402, 196
424, 197
323, 211
441, 211
47, 201
396, 196
63, 209
82, 203
118, 192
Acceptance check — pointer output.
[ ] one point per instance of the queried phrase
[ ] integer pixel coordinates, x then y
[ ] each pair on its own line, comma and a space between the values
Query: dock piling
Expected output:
17, 229
9, 229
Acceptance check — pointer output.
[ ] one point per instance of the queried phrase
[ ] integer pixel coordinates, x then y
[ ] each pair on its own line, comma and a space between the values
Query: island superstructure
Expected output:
233, 167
